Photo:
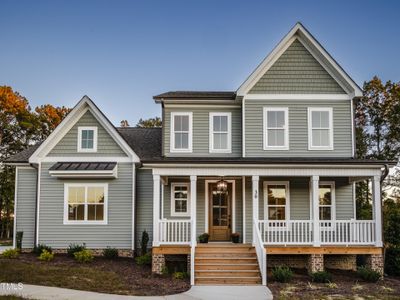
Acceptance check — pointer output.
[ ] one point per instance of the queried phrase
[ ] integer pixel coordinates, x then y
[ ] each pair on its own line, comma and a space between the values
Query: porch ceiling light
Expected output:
222, 185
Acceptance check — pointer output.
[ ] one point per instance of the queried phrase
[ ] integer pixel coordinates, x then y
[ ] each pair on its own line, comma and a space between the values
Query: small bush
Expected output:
322, 277
46, 255
73, 248
10, 253
368, 274
203, 238
83, 256
40, 248
164, 270
110, 253
144, 259
143, 242
180, 275
392, 261
18, 239
282, 274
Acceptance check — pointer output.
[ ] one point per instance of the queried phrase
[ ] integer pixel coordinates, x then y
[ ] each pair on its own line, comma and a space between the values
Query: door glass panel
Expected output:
220, 207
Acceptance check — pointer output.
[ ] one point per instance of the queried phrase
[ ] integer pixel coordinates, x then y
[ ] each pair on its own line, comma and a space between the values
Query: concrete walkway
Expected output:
195, 293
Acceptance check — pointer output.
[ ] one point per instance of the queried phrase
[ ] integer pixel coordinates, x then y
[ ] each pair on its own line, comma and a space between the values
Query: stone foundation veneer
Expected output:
341, 262
315, 263
375, 262
157, 263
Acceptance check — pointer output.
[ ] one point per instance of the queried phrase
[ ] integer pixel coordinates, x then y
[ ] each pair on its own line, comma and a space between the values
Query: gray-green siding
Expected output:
144, 204
26, 204
201, 127
117, 233
298, 128
106, 145
296, 72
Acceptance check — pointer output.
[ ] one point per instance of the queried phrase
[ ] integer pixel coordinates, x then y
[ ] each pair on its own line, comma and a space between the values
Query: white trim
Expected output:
190, 133
222, 105
133, 204
86, 185
287, 201
156, 209
207, 199
244, 127
15, 208
333, 200
285, 128
188, 205
314, 186
299, 32
300, 97
310, 128
244, 208
377, 209
85, 173
119, 159
353, 147
354, 201
84, 105
211, 132
88, 128
39, 170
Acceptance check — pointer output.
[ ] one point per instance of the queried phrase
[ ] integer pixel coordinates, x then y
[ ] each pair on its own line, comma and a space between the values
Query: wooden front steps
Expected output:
226, 264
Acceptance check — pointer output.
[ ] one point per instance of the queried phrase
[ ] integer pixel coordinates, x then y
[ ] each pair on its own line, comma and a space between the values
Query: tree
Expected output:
149, 123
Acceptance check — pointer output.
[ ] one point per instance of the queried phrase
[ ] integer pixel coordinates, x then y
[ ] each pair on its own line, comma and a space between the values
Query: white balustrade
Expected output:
175, 231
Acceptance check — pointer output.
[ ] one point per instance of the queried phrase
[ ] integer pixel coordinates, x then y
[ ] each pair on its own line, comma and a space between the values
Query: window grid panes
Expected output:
87, 141
276, 128
276, 202
180, 198
325, 202
181, 131
220, 132
320, 128
86, 203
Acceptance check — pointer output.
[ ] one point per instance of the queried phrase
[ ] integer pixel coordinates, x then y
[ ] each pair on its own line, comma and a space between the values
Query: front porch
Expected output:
312, 208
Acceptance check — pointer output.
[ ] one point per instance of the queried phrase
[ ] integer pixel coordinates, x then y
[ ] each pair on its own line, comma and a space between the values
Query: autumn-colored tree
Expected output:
149, 123
49, 117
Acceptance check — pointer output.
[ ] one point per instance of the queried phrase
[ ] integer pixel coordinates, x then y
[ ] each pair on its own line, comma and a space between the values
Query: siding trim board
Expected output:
15, 208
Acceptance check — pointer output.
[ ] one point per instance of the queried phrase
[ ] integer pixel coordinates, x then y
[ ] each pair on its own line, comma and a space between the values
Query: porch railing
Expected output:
261, 252
175, 231
300, 232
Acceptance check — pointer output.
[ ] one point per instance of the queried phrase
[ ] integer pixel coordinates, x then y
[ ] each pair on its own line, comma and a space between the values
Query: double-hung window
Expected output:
180, 199
87, 139
220, 132
276, 200
326, 202
276, 128
320, 132
85, 203
181, 132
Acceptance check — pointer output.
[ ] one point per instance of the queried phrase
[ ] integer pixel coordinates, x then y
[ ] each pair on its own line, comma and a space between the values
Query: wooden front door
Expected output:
220, 213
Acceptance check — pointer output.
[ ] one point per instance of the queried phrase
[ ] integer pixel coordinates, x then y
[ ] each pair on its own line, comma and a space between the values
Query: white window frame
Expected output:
333, 203
310, 128
85, 221
287, 204
285, 128
80, 129
172, 132
173, 212
211, 132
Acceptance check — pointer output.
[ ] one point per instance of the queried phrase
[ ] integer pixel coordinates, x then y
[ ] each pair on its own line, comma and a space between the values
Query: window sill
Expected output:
85, 223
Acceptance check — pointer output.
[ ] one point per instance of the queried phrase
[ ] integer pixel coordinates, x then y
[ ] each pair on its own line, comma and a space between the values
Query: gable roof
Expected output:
300, 33
70, 120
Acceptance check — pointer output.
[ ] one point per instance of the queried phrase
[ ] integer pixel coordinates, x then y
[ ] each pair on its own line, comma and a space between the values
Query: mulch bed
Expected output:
118, 276
346, 285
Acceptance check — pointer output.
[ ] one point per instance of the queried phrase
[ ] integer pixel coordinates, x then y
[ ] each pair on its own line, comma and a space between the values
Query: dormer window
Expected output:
87, 139
181, 132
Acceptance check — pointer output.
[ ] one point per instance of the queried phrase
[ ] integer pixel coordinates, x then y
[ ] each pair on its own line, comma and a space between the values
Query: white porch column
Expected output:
255, 196
156, 210
315, 210
377, 209
193, 210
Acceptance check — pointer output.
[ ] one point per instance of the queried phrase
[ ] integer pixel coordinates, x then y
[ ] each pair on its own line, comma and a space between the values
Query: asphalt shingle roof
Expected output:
206, 95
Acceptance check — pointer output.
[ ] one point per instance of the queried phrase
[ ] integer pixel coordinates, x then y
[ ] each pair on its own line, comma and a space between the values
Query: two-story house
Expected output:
273, 161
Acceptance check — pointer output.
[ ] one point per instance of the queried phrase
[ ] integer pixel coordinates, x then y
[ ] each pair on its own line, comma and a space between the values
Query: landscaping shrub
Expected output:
203, 238
392, 261
10, 253
144, 259
18, 239
143, 242
73, 248
40, 248
164, 271
83, 256
322, 277
282, 274
46, 255
180, 275
110, 253
368, 274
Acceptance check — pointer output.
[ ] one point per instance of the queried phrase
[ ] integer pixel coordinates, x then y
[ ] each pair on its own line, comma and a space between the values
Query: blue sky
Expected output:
121, 53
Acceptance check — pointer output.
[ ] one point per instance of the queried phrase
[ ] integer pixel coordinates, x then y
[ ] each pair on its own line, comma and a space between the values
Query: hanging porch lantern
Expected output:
222, 185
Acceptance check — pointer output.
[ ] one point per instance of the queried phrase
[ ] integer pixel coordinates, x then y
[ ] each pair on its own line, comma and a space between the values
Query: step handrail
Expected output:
260, 250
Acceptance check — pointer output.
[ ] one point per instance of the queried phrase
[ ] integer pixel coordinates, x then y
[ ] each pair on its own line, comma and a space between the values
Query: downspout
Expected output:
36, 166
385, 173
